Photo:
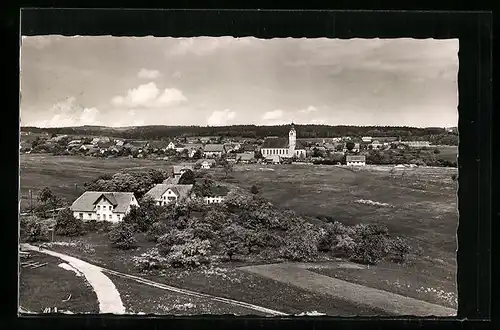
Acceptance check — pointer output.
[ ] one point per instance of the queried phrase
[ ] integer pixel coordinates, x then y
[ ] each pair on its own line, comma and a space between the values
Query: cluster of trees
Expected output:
251, 131
421, 157
138, 182
246, 226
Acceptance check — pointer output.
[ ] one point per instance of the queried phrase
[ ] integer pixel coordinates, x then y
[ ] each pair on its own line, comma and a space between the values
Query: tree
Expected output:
184, 153
257, 154
197, 154
187, 177
228, 168
437, 151
349, 145
122, 236
339, 147
68, 225
48, 200
254, 190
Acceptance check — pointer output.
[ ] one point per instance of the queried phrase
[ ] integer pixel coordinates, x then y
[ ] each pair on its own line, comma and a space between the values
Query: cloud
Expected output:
205, 45
149, 96
68, 113
148, 74
221, 118
309, 109
270, 115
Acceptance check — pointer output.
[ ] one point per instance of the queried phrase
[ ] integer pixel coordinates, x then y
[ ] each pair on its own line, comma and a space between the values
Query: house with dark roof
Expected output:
179, 170
164, 194
213, 150
100, 206
283, 147
355, 160
156, 146
245, 157
193, 148
217, 194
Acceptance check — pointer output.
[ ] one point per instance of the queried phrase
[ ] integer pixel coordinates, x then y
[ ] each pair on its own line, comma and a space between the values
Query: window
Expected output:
98, 217
89, 214
81, 215
104, 217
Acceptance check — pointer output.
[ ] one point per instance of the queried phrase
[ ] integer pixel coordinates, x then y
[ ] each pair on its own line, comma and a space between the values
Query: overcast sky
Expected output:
124, 81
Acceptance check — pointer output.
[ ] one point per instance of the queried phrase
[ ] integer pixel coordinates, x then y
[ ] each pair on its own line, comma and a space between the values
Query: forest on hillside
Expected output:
436, 135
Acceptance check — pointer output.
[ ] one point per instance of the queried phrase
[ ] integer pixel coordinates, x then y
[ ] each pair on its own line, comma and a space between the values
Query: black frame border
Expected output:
474, 30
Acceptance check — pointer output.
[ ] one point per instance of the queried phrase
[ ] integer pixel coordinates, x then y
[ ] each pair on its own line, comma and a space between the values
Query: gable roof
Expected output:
171, 180
218, 191
178, 168
214, 148
355, 158
86, 202
159, 144
282, 143
181, 190
246, 156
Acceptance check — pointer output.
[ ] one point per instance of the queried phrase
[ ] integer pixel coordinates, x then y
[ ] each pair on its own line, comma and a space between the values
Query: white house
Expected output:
171, 145
366, 139
355, 160
417, 144
217, 195
376, 145
285, 148
100, 206
206, 163
164, 194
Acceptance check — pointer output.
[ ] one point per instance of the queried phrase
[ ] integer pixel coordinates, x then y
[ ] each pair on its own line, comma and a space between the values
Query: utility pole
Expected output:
31, 201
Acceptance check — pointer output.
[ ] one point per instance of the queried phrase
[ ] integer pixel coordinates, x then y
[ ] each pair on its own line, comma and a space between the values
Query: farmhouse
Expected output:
193, 148
179, 170
164, 194
245, 157
283, 147
206, 163
156, 146
109, 206
217, 195
352, 160
213, 150
417, 144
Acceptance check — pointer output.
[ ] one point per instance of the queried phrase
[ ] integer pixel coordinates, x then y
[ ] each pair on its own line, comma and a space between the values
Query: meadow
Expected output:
417, 203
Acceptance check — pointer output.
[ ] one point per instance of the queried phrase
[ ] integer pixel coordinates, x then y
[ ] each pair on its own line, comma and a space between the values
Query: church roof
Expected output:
276, 142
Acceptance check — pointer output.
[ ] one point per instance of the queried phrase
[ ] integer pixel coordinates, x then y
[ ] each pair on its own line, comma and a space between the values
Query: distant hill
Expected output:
249, 131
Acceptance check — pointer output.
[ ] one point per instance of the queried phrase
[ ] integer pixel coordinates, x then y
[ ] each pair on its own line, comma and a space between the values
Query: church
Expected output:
283, 147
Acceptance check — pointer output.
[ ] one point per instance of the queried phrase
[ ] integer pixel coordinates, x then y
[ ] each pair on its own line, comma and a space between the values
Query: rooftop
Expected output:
86, 202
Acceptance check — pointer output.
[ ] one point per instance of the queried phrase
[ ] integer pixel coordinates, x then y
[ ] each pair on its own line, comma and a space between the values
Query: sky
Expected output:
214, 81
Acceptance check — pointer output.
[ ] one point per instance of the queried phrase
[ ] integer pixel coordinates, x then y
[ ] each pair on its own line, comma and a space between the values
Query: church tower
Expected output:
292, 139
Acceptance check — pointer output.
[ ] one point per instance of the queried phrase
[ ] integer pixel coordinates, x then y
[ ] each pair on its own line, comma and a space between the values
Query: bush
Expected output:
122, 236
150, 260
201, 230
233, 241
301, 244
157, 230
371, 244
398, 249
190, 254
254, 190
141, 218
68, 225
454, 177
173, 237
33, 229
217, 218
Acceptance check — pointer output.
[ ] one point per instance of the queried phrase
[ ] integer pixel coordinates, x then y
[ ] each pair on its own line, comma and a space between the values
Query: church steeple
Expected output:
292, 138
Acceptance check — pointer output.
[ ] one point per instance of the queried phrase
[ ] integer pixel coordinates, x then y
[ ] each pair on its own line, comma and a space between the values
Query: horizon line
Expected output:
209, 126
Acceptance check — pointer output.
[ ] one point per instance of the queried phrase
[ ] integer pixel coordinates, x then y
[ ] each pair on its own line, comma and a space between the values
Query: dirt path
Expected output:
93, 271
107, 295
297, 275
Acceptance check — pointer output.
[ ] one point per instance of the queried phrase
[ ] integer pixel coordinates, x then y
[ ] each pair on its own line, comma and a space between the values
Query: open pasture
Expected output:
65, 175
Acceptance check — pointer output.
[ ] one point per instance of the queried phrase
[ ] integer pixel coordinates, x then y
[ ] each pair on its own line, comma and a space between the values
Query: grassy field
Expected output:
224, 280
50, 285
448, 153
65, 175
421, 205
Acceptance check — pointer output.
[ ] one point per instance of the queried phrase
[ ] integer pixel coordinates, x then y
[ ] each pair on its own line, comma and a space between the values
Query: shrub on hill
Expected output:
33, 229
301, 244
157, 229
68, 225
190, 254
122, 237
141, 218
94, 226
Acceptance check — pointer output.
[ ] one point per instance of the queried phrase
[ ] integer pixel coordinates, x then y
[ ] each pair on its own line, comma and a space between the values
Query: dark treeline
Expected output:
245, 131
